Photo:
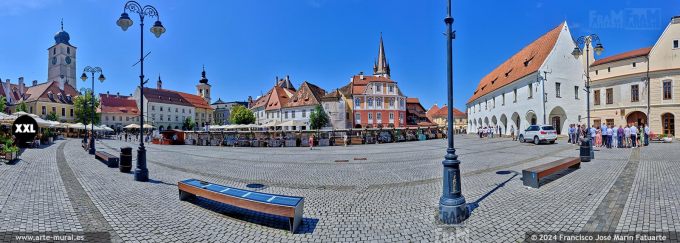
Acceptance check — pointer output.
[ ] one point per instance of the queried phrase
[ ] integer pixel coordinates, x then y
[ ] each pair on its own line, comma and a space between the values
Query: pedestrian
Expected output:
615, 137
344, 139
500, 132
647, 132
311, 142
626, 134
492, 129
570, 133
633, 135
598, 137
610, 134
512, 133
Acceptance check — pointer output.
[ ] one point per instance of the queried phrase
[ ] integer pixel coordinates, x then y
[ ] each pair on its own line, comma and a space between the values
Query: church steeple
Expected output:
203, 87
203, 78
381, 67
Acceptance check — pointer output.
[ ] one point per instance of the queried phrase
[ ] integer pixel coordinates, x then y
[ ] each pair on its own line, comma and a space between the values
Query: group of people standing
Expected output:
489, 131
629, 136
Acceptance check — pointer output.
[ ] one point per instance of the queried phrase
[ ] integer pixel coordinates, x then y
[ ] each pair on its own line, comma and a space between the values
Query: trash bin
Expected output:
125, 159
585, 150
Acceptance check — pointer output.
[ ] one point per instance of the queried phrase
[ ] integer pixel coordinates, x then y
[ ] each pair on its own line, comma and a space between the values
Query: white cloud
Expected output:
17, 7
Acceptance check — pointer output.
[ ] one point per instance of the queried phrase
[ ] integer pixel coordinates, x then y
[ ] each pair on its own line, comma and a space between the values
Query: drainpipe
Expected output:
649, 87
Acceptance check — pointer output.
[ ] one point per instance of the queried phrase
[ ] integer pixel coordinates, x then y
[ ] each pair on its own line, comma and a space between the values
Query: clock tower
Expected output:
203, 88
61, 60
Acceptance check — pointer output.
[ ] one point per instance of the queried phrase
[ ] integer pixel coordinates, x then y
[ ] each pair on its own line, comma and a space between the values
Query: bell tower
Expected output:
61, 60
203, 88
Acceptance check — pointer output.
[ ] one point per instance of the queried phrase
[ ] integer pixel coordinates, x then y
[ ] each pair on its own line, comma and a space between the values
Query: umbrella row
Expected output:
9, 119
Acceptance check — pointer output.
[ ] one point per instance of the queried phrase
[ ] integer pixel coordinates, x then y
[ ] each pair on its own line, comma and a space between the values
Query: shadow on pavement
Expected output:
474, 205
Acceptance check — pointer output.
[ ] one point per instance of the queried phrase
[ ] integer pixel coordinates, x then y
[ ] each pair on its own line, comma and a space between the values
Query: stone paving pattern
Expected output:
390, 196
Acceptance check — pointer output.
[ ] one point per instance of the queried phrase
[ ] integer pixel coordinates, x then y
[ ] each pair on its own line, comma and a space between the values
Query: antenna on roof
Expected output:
62, 24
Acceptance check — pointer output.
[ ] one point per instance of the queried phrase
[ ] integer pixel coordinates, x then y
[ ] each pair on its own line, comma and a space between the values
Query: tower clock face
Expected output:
54, 60
68, 60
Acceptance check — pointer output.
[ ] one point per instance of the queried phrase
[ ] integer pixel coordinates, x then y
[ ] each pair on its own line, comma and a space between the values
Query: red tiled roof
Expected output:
526, 61
433, 110
42, 92
444, 112
307, 94
117, 104
358, 85
165, 96
195, 100
622, 56
412, 100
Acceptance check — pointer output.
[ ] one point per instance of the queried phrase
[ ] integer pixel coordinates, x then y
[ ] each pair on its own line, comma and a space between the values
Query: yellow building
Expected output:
440, 117
50, 97
621, 93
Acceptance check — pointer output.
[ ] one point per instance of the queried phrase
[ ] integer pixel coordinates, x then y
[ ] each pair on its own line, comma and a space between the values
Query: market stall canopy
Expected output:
132, 126
77, 126
293, 123
146, 126
271, 124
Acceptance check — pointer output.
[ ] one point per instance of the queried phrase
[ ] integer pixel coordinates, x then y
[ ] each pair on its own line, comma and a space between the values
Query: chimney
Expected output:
107, 93
118, 94
22, 86
276, 81
287, 78
361, 75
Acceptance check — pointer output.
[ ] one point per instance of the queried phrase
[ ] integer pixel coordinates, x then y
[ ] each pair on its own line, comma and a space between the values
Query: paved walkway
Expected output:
390, 196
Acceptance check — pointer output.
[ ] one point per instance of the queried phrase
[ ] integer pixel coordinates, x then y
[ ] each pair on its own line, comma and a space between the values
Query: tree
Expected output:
188, 124
22, 107
241, 115
82, 107
53, 116
3, 103
318, 118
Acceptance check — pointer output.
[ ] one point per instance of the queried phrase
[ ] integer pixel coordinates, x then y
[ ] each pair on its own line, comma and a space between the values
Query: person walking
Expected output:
344, 139
512, 133
626, 133
492, 129
633, 135
598, 137
311, 142
570, 132
615, 137
610, 134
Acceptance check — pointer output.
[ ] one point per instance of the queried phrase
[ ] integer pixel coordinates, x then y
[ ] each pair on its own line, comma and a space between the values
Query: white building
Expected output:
164, 109
541, 84
285, 105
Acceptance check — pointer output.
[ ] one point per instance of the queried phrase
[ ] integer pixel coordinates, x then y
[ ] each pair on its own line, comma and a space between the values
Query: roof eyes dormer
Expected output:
528, 61
508, 73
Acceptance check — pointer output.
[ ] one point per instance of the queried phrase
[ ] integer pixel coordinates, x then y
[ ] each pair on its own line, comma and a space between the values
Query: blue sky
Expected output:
245, 44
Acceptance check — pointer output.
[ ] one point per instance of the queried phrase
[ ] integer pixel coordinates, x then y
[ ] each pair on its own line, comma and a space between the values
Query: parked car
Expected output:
538, 134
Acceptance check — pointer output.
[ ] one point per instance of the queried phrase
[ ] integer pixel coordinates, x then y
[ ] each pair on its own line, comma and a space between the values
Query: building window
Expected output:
576, 92
557, 90
675, 44
44, 110
597, 122
71, 115
285, 115
378, 87
54, 109
176, 109
370, 117
634, 93
668, 123
503, 101
378, 116
610, 96
391, 88
161, 108
596, 97
609, 122
391, 116
63, 111
378, 103
667, 90
609, 69
68, 50
596, 71
153, 107
304, 113
531, 91
370, 103
401, 118
391, 102
634, 64
357, 117
357, 103
515, 96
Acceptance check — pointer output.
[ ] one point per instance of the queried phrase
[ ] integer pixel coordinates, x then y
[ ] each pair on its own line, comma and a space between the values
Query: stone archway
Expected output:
504, 123
516, 120
636, 117
486, 121
494, 121
531, 117
557, 119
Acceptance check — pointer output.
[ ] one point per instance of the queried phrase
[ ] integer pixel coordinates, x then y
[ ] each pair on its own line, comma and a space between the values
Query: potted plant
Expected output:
667, 138
10, 152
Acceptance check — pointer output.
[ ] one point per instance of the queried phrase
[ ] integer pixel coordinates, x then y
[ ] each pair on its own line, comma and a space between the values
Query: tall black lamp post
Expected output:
141, 172
452, 206
92, 70
587, 153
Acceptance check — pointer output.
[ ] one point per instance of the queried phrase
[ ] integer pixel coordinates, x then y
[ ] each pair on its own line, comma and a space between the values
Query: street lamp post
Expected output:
452, 206
141, 172
587, 152
92, 71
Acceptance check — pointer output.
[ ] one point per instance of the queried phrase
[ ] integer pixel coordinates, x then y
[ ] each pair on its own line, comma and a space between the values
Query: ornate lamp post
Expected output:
141, 172
587, 152
452, 206
92, 70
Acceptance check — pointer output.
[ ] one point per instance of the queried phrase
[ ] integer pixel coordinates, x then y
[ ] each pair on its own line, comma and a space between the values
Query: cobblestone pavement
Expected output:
392, 195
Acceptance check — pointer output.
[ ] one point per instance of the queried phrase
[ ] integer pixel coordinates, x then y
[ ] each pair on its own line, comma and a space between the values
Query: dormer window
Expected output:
508, 73
528, 61
494, 80
50, 95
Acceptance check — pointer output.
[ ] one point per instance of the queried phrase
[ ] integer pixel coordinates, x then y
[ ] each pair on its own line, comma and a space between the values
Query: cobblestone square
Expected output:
392, 196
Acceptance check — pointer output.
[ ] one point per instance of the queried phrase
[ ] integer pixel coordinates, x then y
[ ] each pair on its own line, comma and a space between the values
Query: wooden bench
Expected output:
531, 176
110, 159
285, 206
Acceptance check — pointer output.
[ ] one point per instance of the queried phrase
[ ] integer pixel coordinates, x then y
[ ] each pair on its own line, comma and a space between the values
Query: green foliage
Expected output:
188, 124
22, 107
318, 118
53, 116
241, 115
82, 107
8, 147
3, 103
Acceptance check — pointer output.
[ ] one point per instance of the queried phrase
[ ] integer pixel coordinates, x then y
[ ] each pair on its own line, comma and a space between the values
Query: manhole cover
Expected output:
255, 186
